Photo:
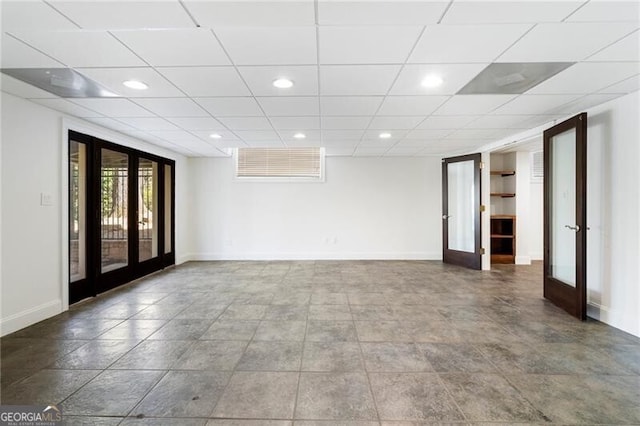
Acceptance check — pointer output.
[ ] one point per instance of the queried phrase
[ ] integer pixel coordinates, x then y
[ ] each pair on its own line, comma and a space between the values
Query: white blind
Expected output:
537, 165
279, 162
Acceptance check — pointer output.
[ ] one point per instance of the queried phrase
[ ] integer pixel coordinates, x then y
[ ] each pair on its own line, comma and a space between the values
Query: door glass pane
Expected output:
77, 211
167, 209
114, 176
147, 209
461, 202
563, 207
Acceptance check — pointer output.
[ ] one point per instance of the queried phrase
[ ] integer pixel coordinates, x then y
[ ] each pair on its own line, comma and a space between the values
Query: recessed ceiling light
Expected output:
384, 135
431, 80
135, 84
215, 136
283, 83
299, 136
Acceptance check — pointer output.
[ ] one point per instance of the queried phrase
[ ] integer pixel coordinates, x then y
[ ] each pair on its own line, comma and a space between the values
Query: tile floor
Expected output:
325, 343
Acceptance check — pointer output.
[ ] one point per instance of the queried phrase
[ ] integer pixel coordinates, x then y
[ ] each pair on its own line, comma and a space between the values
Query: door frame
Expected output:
466, 259
571, 299
96, 281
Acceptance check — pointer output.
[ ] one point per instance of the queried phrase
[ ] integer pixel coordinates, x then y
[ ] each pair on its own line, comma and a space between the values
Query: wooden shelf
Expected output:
501, 236
503, 172
503, 194
503, 216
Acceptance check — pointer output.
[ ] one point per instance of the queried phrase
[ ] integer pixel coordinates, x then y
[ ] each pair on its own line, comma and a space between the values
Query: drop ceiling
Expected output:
357, 68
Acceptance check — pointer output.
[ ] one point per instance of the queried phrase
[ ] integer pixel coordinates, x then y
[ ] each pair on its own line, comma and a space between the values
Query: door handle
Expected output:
445, 217
573, 228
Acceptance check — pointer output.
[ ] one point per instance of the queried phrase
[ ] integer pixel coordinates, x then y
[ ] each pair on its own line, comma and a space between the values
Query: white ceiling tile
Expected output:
416, 143
576, 41
173, 107
396, 12
465, 43
295, 123
227, 139
258, 135
260, 79
310, 136
21, 89
373, 136
125, 14
607, 11
181, 47
269, 46
584, 103
67, 107
251, 13
110, 123
340, 135
32, 15
231, 106
398, 122
357, 79
292, 105
176, 136
501, 12
411, 105
112, 79
246, 123
627, 49
353, 105
366, 45
477, 134
369, 152
402, 151
16, 54
586, 77
428, 134
342, 144
148, 123
447, 122
265, 144
196, 123
454, 76
113, 107
627, 86
500, 121
338, 152
344, 123
534, 104
206, 81
473, 104
82, 48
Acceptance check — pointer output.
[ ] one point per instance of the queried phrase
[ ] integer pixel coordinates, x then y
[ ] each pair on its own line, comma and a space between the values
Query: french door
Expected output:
121, 209
565, 215
461, 236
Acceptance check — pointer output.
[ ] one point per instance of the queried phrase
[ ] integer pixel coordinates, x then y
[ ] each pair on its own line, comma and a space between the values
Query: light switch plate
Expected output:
46, 199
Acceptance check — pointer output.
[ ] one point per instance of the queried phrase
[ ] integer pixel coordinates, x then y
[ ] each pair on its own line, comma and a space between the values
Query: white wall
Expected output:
535, 227
32, 236
368, 208
613, 213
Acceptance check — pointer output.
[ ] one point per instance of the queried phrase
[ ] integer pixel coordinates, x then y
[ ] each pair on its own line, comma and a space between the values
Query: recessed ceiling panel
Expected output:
472, 104
113, 79
295, 123
453, 77
206, 81
512, 78
607, 11
391, 123
503, 12
16, 54
260, 80
587, 77
389, 12
231, 106
173, 107
345, 123
63, 82
290, 105
627, 49
67, 107
351, 105
252, 13
32, 15
357, 79
411, 105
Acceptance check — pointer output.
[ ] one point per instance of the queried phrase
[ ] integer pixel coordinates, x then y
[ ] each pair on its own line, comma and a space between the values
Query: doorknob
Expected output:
573, 228
445, 217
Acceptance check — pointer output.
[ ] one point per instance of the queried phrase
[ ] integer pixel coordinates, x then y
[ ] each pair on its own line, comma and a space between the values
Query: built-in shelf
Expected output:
503, 194
503, 172
503, 238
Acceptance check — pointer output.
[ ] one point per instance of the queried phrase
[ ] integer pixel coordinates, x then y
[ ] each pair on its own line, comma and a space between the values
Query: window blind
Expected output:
279, 162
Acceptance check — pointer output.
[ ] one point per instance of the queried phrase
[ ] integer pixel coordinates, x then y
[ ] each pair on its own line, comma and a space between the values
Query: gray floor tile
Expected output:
456, 358
184, 394
90, 420
412, 396
153, 355
231, 330
332, 356
112, 393
281, 330
97, 354
382, 331
182, 329
331, 331
329, 299
243, 312
271, 356
46, 387
330, 312
343, 396
249, 423
387, 357
159, 421
258, 395
219, 355
133, 330
287, 312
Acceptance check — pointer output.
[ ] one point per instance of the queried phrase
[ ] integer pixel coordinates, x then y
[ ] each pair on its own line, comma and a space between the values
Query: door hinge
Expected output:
482, 207
482, 251
481, 165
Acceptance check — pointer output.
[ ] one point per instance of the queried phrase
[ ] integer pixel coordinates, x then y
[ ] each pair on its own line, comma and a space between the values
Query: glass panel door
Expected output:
461, 211
114, 210
565, 215
147, 209
168, 209
77, 211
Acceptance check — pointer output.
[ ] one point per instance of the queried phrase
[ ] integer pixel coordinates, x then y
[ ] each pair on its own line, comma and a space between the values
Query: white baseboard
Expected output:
620, 321
537, 256
27, 317
523, 260
184, 258
317, 256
